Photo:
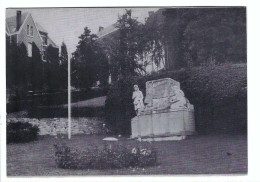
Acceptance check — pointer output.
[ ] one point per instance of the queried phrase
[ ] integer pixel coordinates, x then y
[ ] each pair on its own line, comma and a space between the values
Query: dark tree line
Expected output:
177, 38
199, 36
182, 37
93, 60
33, 74
15, 67
130, 46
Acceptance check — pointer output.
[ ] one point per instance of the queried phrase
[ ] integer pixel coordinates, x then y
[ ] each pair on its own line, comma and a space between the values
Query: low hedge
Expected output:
31, 101
56, 112
21, 132
104, 158
218, 93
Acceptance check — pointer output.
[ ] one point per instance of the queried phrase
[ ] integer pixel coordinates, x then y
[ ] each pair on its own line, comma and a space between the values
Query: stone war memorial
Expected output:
166, 114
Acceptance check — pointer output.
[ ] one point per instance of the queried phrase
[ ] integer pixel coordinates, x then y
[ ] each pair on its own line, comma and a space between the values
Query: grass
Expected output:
95, 102
201, 154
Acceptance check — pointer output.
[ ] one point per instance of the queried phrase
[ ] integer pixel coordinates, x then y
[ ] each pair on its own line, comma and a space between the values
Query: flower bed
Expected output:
106, 157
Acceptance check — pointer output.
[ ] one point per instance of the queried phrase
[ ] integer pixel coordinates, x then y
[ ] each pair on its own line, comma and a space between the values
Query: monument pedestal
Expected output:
166, 125
168, 115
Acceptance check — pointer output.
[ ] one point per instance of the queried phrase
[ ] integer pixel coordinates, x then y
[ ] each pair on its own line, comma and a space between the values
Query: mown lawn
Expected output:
201, 154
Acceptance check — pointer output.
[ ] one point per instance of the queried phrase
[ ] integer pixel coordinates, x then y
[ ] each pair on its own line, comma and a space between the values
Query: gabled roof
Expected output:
108, 30
11, 23
11, 27
40, 28
50, 41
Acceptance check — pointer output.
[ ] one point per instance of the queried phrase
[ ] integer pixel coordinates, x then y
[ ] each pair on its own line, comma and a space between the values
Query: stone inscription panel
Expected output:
161, 88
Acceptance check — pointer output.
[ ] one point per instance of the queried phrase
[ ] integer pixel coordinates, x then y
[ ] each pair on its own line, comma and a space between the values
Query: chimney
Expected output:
100, 28
18, 19
150, 13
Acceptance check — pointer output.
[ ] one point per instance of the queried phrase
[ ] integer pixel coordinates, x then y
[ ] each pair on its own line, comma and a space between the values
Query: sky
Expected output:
67, 24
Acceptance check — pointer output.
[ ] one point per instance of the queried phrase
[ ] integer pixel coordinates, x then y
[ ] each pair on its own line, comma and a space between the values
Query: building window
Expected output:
44, 38
28, 30
29, 49
44, 55
31, 31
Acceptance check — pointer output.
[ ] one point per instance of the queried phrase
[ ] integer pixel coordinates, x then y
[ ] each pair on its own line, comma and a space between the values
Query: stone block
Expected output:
174, 123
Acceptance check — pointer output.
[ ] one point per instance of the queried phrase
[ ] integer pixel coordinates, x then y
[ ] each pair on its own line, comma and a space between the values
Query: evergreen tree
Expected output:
64, 66
125, 57
36, 69
16, 68
23, 68
52, 70
89, 62
9, 64
153, 40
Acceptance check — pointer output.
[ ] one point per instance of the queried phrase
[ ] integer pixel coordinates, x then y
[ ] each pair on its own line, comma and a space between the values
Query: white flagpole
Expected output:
69, 100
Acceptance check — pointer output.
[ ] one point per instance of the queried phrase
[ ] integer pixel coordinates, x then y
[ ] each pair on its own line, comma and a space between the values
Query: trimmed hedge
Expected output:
50, 112
218, 93
28, 102
21, 132
104, 158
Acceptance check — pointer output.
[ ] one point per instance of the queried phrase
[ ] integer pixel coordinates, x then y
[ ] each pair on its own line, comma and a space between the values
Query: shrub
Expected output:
21, 132
218, 93
57, 112
39, 99
118, 107
104, 158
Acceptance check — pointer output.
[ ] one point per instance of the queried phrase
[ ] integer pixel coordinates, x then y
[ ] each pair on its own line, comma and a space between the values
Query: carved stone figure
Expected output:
164, 94
178, 100
167, 114
138, 99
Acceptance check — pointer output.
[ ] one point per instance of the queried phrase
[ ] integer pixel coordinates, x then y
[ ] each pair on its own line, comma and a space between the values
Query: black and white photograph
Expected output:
132, 91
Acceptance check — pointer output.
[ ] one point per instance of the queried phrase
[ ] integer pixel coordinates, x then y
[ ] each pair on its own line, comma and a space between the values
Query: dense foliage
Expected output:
27, 76
17, 67
199, 36
119, 108
89, 62
21, 132
44, 104
63, 61
176, 38
124, 56
36, 73
133, 46
60, 111
196, 39
33, 73
218, 93
106, 157
53, 71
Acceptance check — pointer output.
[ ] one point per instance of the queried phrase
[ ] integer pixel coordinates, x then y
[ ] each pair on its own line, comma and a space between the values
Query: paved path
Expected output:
95, 102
